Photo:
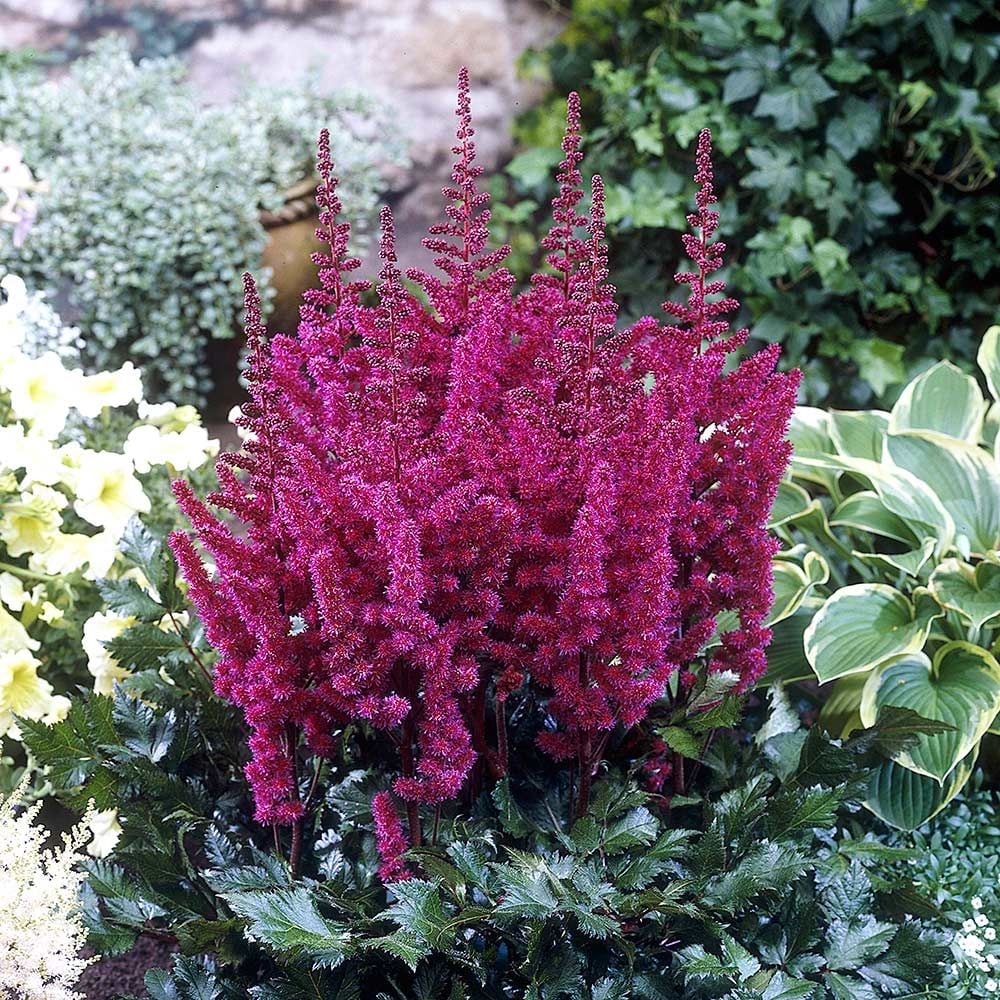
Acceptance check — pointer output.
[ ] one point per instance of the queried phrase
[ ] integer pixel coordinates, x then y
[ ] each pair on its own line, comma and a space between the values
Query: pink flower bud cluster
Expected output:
445, 496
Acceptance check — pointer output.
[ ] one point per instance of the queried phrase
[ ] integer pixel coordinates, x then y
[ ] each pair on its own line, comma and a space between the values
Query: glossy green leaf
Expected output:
960, 687
943, 399
905, 799
965, 479
863, 625
974, 592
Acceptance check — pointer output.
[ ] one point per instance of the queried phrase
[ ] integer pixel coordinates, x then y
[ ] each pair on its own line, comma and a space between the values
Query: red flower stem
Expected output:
406, 755
502, 751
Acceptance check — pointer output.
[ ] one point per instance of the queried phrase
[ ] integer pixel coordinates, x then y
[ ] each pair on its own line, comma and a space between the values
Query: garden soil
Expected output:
123, 976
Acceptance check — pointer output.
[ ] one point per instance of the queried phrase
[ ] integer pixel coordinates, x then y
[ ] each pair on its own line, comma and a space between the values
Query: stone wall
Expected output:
406, 51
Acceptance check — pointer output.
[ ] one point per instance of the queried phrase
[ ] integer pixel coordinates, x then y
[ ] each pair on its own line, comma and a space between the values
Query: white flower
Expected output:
98, 630
41, 933
990, 934
106, 830
107, 492
12, 592
990, 985
242, 432
41, 391
976, 903
95, 392
981, 919
148, 446
168, 416
970, 944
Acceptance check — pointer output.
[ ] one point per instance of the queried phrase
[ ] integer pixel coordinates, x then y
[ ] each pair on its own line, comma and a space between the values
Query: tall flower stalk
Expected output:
449, 498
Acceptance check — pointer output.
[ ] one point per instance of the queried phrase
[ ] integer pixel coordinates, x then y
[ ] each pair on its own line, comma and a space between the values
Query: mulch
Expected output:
110, 978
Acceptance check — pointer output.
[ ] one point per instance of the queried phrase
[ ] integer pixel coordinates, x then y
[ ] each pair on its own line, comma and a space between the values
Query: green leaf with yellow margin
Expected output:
959, 687
973, 592
865, 624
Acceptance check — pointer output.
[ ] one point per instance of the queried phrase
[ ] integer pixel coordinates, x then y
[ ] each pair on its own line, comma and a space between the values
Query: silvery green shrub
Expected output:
153, 206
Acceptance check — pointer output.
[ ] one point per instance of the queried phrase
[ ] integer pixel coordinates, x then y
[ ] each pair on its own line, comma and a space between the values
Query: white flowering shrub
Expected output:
153, 200
80, 457
41, 932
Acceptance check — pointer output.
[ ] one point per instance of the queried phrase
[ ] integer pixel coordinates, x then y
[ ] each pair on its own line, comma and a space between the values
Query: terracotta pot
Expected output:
291, 239
291, 235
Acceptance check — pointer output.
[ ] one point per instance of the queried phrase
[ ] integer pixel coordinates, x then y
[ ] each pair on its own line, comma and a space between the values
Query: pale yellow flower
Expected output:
22, 691
65, 554
41, 391
113, 389
31, 523
107, 492
12, 592
14, 636
99, 629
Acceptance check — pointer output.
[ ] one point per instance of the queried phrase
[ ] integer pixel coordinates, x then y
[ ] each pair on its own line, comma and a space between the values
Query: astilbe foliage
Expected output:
444, 500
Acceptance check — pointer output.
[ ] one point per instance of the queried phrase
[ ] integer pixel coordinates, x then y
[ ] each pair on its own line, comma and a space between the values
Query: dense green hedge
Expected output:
857, 142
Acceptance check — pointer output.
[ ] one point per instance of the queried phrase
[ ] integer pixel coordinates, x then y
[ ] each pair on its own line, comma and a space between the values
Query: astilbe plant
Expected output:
451, 498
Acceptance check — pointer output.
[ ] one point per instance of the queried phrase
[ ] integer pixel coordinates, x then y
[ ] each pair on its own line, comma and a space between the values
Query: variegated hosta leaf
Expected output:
965, 479
786, 658
989, 360
864, 511
859, 433
960, 687
973, 592
863, 625
905, 799
901, 491
942, 399
911, 563
791, 503
841, 712
794, 582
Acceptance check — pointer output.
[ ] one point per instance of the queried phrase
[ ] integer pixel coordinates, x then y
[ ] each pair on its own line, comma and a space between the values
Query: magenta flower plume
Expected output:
390, 840
445, 499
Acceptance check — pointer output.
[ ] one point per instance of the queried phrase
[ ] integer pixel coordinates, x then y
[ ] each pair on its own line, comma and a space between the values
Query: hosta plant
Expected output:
80, 455
755, 884
889, 585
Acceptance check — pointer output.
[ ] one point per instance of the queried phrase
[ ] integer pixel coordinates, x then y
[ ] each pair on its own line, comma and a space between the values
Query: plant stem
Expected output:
295, 852
502, 751
586, 749
25, 574
406, 755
